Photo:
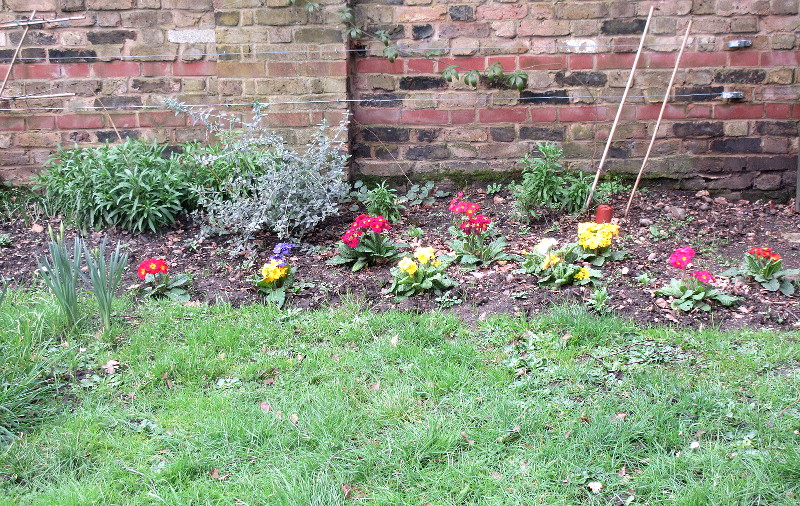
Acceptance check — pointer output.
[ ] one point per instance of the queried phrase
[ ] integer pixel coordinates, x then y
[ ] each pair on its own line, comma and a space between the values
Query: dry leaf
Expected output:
585, 419
169, 384
352, 492
265, 406
269, 381
394, 340
335, 357
466, 439
214, 474
164, 375
496, 475
595, 486
376, 386
111, 366
36, 228
620, 416
192, 303
294, 418
347, 490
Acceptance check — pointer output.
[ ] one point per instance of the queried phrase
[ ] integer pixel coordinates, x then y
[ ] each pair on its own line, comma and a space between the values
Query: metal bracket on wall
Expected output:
736, 44
732, 95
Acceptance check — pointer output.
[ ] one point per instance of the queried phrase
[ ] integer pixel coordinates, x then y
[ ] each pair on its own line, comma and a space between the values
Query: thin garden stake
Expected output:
16, 53
619, 110
660, 116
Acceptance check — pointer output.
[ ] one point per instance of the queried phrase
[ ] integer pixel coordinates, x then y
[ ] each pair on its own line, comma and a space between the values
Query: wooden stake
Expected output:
660, 116
16, 53
619, 110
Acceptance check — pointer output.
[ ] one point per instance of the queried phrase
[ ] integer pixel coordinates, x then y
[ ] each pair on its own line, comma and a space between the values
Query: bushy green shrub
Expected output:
280, 190
547, 183
133, 186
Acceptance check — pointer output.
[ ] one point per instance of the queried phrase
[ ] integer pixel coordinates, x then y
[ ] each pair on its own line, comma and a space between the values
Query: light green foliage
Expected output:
414, 408
21, 203
547, 183
5, 240
690, 293
133, 186
105, 277
62, 271
382, 201
494, 188
289, 192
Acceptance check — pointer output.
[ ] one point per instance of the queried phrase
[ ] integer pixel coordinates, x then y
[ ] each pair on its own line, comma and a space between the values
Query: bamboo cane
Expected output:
16, 53
660, 116
619, 110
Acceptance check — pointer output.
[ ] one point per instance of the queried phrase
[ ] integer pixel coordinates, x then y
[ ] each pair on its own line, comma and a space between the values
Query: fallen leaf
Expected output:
164, 375
111, 366
214, 474
496, 475
169, 384
595, 486
265, 406
466, 439
376, 386
192, 303
585, 419
269, 381
36, 228
347, 490
394, 340
620, 416
294, 418
335, 357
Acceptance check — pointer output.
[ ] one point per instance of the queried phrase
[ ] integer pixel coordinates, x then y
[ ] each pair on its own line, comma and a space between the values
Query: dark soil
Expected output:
660, 221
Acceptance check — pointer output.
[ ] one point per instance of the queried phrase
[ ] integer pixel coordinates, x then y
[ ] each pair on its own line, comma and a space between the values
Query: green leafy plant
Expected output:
422, 273
158, 282
277, 275
382, 201
5, 241
598, 300
475, 243
364, 244
419, 194
558, 267
547, 183
765, 267
415, 232
105, 277
494, 188
289, 193
133, 186
691, 293
62, 271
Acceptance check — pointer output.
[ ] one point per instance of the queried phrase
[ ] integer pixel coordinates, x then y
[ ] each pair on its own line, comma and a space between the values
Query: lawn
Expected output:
253, 405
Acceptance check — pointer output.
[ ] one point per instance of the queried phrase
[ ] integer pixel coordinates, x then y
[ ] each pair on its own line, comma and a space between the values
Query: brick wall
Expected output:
128, 55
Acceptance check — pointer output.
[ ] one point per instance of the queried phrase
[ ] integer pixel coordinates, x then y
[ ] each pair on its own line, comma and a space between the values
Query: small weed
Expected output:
494, 188
598, 300
448, 300
644, 278
5, 241
415, 232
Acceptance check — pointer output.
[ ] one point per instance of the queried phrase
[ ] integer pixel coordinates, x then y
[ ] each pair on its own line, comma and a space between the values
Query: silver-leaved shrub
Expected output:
284, 191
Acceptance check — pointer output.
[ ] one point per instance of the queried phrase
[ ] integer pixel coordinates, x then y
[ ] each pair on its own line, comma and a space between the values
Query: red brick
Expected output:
462, 117
377, 116
73, 121
651, 111
738, 111
543, 62
281, 69
502, 11
155, 69
540, 115
423, 117
743, 59
796, 111
615, 61
37, 71
580, 113
509, 63
40, 122
161, 119
334, 117
780, 58
420, 65
208, 68
322, 68
692, 111
661, 60
76, 69
116, 69
693, 60
463, 63
379, 66
504, 115
581, 61
124, 120
778, 111
12, 123
288, 119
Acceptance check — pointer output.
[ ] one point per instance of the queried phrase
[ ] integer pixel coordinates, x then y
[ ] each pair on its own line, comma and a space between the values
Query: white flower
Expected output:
544, 246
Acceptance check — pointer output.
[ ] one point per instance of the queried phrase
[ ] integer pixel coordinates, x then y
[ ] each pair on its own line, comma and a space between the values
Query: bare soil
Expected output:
660, 221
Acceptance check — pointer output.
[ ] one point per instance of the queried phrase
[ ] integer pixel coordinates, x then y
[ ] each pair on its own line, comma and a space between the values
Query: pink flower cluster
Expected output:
364, 223
458, 207
475, 224
682, 257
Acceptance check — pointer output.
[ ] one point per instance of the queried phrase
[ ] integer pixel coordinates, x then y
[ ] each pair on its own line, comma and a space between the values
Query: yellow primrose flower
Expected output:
273, 271
425, 255
596, 235
551, 261
407, 265
582, 274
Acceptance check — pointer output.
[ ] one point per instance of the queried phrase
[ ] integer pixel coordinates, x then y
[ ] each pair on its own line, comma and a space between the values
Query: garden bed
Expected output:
660, 221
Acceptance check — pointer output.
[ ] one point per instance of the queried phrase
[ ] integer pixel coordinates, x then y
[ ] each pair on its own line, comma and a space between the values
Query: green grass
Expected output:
379, 402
